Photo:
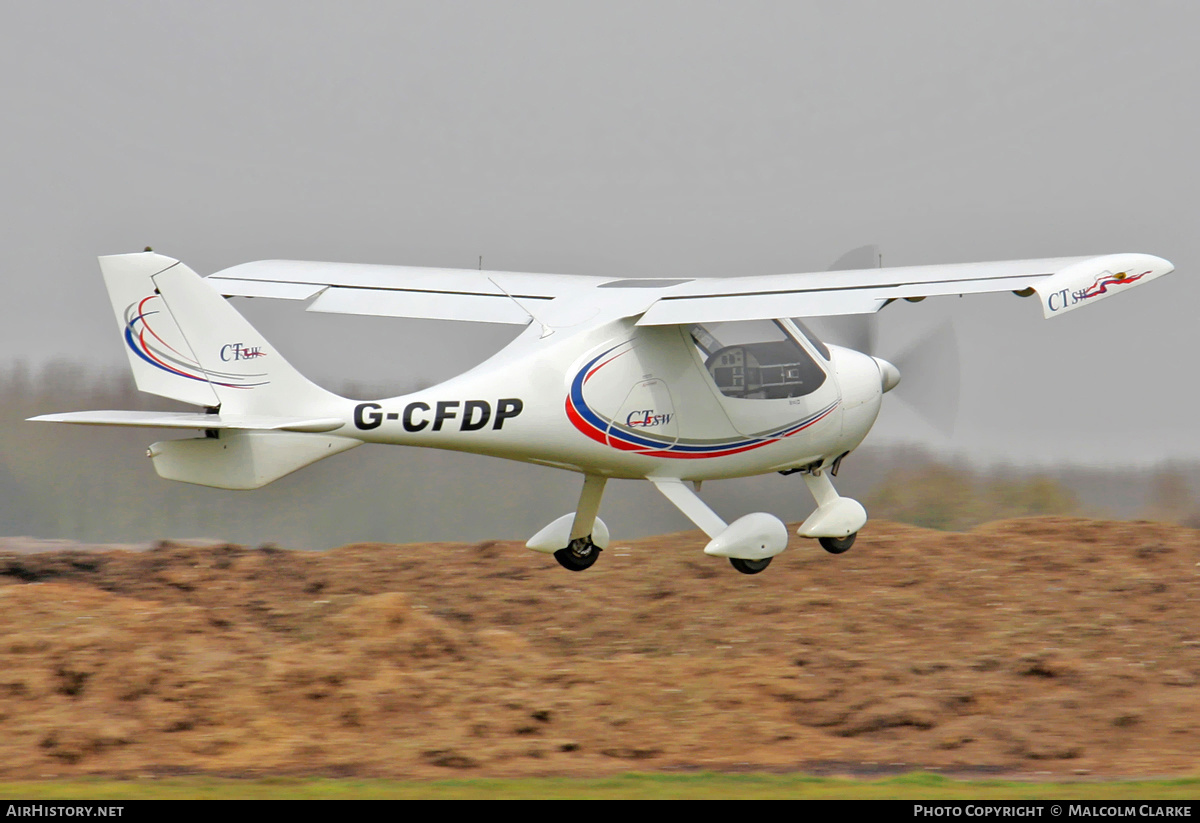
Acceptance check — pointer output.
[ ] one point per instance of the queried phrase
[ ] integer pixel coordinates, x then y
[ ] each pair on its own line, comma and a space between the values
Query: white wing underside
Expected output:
401, 291
513, 297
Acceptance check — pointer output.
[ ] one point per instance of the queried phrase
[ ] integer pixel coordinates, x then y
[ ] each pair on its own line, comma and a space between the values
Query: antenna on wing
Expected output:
546, 330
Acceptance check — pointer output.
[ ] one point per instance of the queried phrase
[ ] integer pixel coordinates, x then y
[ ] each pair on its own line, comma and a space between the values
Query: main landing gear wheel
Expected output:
749, 566
580, 555
837, 545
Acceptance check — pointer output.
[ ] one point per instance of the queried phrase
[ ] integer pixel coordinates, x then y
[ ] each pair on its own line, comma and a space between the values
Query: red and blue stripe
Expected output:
609, 433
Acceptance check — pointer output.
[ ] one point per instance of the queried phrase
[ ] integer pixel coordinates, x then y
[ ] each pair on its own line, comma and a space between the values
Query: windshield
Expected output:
815, 341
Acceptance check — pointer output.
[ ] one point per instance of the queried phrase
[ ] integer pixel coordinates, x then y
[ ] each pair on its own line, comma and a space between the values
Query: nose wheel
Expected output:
579, 555
749, 566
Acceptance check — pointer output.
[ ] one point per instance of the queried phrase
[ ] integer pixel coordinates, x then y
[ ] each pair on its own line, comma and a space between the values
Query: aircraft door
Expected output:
623, 396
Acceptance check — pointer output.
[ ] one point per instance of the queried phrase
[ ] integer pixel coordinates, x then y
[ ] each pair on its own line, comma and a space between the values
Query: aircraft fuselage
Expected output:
626, 401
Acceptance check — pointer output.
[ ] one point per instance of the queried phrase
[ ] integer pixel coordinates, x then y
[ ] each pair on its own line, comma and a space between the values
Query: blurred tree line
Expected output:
953, 496
939, 496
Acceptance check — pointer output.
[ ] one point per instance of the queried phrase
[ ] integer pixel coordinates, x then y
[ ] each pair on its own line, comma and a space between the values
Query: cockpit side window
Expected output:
756, 360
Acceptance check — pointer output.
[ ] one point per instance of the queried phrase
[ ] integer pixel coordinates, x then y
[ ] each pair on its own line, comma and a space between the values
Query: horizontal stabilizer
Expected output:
194, 420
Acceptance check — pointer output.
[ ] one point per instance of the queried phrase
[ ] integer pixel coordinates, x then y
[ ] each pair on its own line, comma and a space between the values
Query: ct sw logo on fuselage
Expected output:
647, 418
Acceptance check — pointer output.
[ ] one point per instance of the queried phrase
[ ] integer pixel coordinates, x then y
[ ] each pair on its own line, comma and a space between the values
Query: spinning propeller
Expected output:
929, 367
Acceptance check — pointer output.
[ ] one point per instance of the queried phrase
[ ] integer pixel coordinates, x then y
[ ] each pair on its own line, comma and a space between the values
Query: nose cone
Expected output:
889, 374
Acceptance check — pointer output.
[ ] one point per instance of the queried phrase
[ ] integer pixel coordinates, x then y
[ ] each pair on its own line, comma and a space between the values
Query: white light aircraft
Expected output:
673, 381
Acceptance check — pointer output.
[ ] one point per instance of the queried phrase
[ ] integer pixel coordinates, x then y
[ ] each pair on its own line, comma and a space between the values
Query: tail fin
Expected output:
186, 342
159, 355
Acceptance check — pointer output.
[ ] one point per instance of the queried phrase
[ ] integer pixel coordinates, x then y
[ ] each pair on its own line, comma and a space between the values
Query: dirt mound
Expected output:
1052, 645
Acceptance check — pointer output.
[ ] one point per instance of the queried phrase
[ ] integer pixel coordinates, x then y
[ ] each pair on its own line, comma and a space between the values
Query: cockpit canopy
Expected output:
760, 359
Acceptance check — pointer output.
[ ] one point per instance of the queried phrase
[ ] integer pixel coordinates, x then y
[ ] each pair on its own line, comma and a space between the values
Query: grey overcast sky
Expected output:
631, 139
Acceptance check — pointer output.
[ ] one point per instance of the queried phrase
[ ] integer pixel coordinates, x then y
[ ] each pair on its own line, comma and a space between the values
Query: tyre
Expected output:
580, 555
749, 566
837, 545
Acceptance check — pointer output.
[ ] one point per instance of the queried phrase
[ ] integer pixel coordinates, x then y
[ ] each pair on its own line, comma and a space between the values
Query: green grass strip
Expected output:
917, 786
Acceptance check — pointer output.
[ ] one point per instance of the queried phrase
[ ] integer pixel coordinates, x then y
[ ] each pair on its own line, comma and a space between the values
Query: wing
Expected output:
1062, 283
402, 291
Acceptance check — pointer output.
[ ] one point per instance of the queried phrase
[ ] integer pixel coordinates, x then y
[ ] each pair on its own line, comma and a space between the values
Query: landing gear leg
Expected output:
837, 519
581, 552
759, 535
581, 532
